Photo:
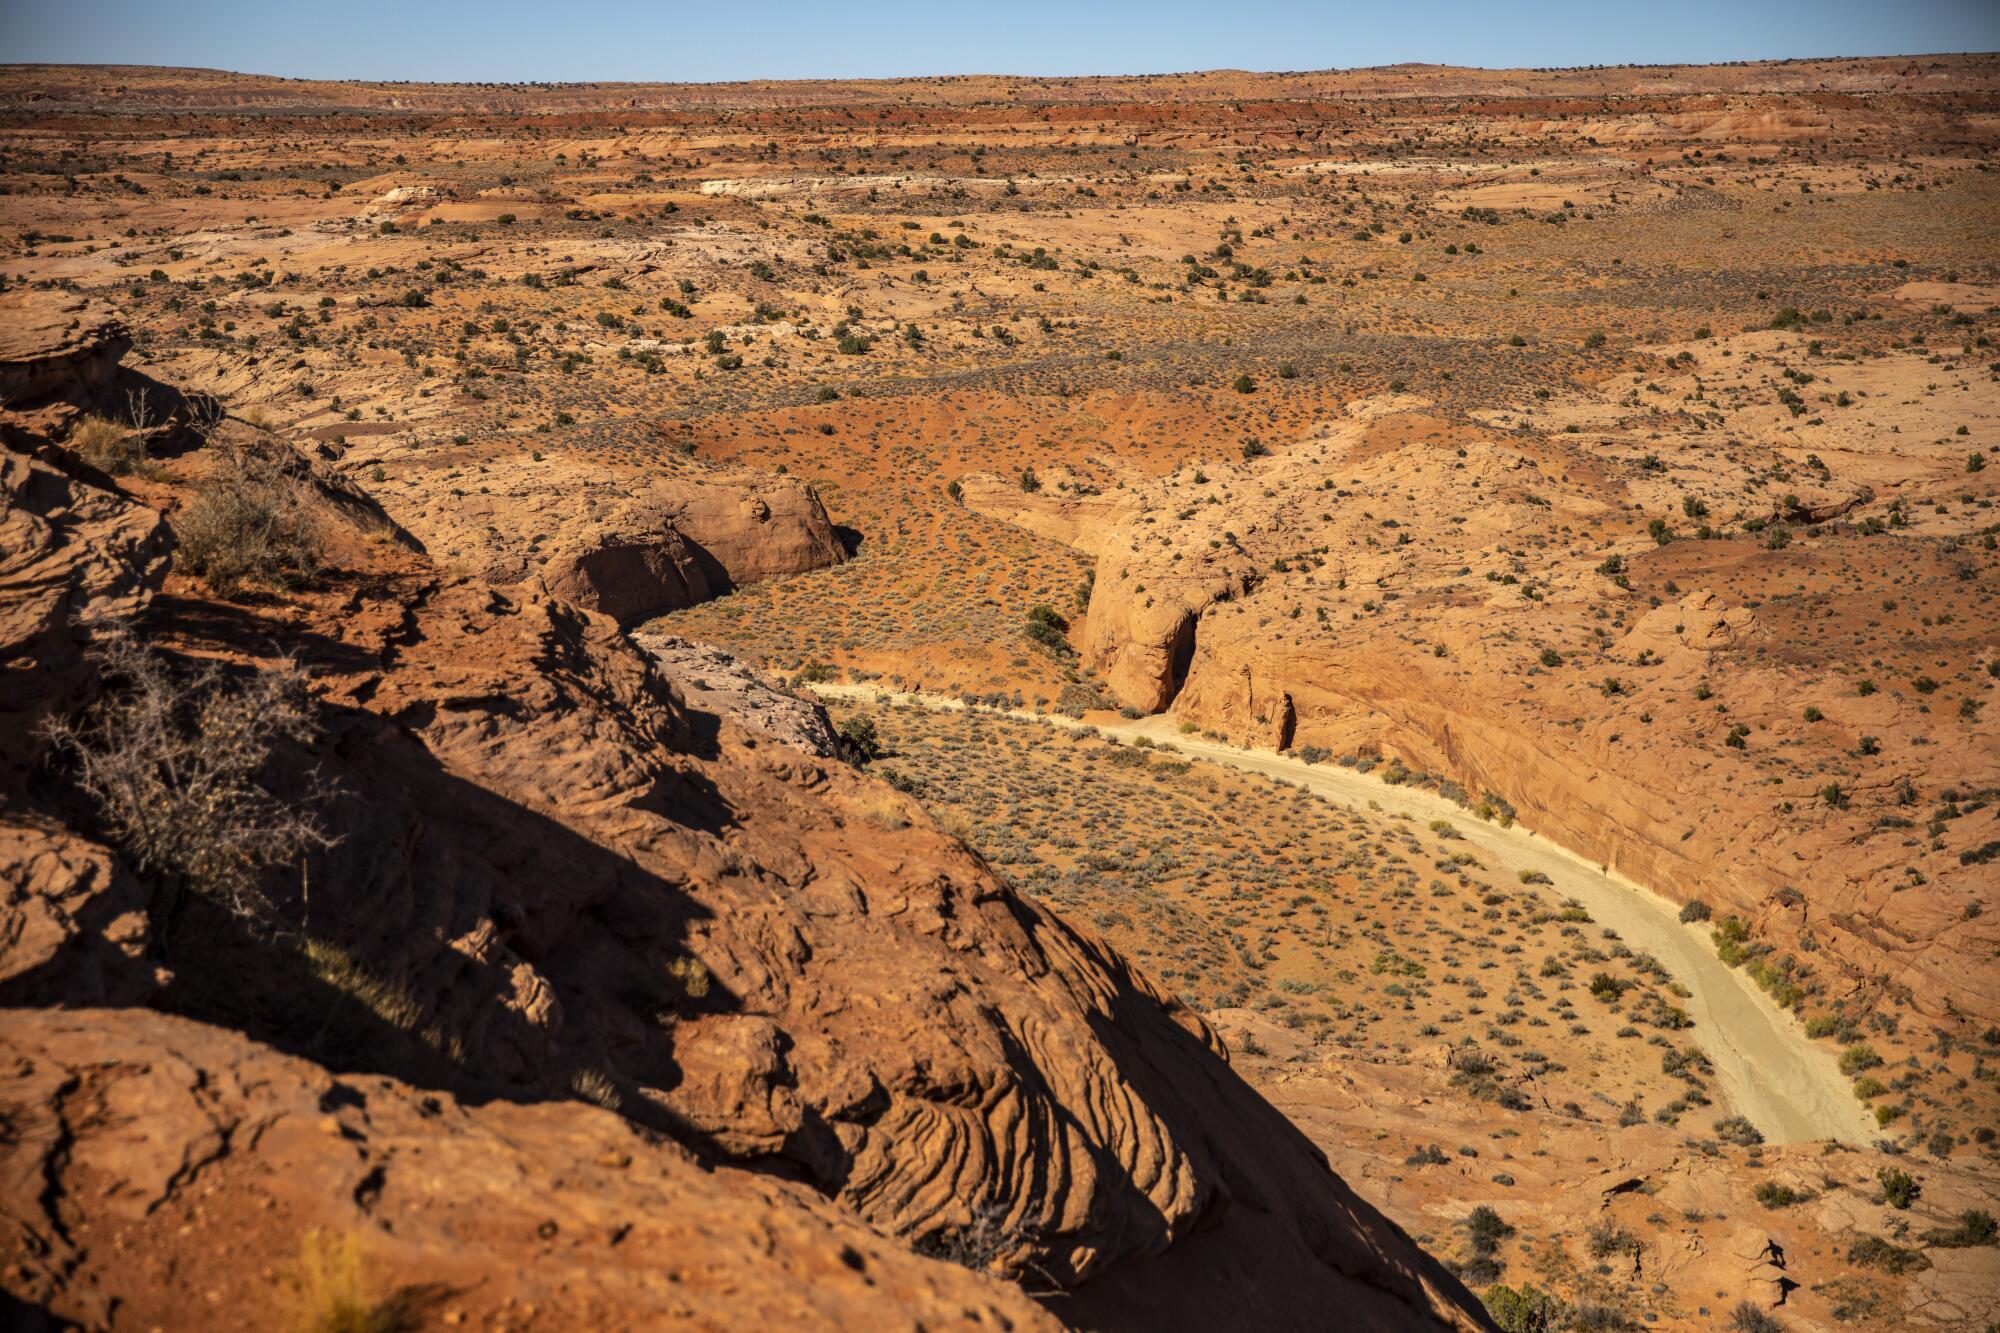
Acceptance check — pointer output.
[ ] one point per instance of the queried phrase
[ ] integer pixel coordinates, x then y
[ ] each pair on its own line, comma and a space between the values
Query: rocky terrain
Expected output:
1548, 622
1430, 502
545, 902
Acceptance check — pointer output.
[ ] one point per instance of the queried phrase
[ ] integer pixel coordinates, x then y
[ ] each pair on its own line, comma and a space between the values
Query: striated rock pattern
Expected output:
877, 1015
159, 1173
71, 555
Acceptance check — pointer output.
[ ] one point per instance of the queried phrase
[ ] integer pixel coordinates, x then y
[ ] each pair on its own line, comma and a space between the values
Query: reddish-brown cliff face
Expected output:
1541, 621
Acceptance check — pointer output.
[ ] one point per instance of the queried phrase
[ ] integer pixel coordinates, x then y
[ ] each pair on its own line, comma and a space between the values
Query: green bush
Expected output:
1975, 1227
1528, 1310
1874, 1252
1899, 1188
859, 742
1857, 1058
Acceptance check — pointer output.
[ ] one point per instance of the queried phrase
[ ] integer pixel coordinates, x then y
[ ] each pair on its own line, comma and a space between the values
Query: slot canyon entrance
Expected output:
1180, 657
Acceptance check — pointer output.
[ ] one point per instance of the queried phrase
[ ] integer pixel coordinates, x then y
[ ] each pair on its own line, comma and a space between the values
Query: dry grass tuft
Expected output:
252, 523
332, 1290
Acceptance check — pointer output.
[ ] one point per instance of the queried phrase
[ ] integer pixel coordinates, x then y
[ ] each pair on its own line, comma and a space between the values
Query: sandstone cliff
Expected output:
1539, 618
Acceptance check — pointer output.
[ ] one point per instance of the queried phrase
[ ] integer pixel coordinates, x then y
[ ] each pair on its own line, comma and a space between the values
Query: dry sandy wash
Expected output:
1406, 725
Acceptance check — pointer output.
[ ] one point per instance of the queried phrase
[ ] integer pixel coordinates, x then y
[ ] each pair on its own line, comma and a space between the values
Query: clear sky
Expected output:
672, 41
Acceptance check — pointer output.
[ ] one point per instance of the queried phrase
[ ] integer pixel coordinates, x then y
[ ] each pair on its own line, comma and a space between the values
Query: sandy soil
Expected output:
1791, 1089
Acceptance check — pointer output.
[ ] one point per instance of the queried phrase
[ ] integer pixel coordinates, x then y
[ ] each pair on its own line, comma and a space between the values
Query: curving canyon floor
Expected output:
1766, 1069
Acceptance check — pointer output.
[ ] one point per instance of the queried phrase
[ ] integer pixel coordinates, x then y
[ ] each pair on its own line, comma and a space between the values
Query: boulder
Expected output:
631, 543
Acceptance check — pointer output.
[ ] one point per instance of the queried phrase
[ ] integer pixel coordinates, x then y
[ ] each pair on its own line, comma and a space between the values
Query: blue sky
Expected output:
669, 40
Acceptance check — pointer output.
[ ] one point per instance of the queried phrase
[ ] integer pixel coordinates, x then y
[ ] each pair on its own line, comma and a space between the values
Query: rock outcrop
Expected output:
160, 1173
711, 681
876, 1014
72, 555
51, 349
632, 544
1468, 602
1060, 505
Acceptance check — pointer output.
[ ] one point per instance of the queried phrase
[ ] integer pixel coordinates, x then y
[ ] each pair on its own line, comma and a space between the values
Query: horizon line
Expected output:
967, 75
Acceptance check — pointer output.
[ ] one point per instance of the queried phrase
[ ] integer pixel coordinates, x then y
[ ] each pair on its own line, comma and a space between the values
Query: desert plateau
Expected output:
1357, 699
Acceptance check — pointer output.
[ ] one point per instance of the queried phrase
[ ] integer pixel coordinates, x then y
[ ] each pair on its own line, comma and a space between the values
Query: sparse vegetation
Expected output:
179, 763
251, 522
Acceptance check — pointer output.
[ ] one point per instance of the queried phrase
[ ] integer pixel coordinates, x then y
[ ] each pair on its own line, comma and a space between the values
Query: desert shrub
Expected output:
1899, 1188
1479, 1268
982, 1242
1486, 1229
859, 742
1773, 1195
1687, 1063
251, 523
1735, 1129
331, 1290
1605, 1238
1697, 910
1077, 698
1528, 1310
1599, 1317
176, 761
1857, 1058
1874, 1252
1975, 1227
1747, 1318
107, 445
1853, 1299
1608, 988
1729, 936
1048, 629
594, 1085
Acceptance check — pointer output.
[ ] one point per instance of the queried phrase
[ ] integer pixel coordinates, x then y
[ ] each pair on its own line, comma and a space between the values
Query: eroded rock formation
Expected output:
71, 555
162, 1173
56, 348
551, 882
632, 544
1465, 599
